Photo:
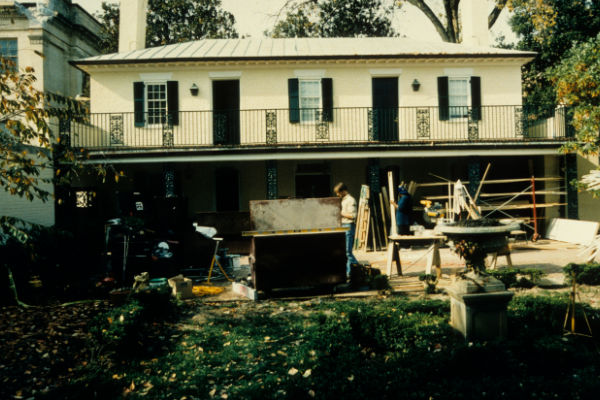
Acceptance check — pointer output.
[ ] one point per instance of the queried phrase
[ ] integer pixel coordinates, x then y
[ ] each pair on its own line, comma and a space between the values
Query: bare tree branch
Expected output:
438, 25
500, 5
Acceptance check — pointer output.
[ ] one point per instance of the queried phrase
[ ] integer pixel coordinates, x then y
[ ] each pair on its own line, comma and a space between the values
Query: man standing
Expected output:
348, 217
403, 211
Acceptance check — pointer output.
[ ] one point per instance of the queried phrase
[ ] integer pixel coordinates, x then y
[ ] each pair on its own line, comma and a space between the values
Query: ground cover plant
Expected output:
352, 349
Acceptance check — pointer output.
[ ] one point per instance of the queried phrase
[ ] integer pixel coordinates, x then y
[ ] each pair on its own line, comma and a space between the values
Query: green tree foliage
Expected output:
29, 143
170, 22
550, 27
336, 18
30, 146
577, 82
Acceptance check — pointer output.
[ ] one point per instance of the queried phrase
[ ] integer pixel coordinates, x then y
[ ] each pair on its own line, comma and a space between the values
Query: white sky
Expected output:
253, 17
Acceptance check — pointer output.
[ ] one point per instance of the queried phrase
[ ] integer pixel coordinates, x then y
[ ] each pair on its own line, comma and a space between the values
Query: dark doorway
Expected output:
226, 112
385, 109
227, 189
313, 186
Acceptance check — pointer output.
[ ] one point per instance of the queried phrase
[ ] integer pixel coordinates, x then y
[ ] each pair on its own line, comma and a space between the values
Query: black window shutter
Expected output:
173, 101
476, 98
294, 100
138, 103
443, 101
327, 98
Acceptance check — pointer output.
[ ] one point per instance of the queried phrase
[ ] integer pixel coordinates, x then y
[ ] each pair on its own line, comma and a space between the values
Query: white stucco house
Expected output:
217, 123
45, 35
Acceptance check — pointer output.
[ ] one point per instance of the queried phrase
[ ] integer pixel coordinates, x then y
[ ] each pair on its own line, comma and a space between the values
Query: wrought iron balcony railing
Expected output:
273, 127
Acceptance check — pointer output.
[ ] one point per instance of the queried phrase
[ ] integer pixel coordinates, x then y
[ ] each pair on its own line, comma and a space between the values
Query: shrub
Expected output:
124, 330
380, 282
430, 281
513, 277
588, 274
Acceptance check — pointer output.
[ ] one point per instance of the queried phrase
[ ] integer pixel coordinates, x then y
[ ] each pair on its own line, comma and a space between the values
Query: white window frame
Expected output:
146, 105
459, 118
309, 110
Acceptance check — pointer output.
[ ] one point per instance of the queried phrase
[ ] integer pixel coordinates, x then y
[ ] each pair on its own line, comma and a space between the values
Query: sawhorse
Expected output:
433, 253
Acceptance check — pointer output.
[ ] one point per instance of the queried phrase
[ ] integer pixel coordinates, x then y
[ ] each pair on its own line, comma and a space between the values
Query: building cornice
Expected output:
116, 65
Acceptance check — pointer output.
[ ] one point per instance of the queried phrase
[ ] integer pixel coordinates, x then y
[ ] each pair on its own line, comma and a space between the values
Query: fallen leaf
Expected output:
307, 373
293, 371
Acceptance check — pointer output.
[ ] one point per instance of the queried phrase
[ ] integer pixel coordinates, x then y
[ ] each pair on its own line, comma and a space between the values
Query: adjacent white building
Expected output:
45, 35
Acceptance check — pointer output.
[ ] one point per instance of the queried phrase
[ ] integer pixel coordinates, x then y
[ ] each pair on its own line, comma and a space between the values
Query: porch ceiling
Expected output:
261, 153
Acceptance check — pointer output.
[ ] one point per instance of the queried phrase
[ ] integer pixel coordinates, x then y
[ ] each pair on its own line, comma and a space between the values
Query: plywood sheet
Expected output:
572, 230
291, 214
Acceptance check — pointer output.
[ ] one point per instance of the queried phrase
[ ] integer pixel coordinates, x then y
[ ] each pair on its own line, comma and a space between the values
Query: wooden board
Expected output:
383, 219
494, 181
572, 230
362, 219
290, 214
391, 194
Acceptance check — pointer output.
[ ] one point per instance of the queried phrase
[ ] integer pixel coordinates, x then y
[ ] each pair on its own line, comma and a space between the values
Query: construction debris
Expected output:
592, 180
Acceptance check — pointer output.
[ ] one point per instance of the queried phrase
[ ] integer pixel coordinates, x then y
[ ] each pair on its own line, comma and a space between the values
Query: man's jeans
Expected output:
349, 245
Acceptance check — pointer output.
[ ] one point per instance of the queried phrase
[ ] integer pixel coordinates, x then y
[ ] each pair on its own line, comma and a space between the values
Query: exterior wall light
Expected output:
194, 90
416, 85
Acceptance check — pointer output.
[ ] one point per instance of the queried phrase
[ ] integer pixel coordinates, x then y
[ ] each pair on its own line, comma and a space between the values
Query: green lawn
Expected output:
359, 349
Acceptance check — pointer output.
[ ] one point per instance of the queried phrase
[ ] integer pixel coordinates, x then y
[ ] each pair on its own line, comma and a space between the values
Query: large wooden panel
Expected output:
572, 230
295, 214
298, 260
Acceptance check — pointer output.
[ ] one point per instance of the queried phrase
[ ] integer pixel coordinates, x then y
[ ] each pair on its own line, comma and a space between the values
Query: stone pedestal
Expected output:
478, 307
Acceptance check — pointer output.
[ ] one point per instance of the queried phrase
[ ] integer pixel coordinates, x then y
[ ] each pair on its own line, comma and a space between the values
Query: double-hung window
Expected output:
156, 103
8, 51
458, 97
310, 99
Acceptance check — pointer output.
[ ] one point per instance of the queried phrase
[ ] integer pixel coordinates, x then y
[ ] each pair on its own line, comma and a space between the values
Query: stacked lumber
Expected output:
372, 223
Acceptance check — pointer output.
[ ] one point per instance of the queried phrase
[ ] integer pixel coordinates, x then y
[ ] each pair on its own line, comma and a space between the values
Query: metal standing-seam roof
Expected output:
301, 48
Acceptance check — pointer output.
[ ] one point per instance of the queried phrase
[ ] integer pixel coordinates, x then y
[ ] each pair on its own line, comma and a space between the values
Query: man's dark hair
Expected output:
341, 186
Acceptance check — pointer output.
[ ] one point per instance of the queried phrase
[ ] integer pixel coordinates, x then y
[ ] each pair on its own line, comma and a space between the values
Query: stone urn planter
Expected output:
478, 301
490, 238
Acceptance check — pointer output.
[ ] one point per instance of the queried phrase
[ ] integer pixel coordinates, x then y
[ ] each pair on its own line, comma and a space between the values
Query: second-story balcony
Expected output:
316, 127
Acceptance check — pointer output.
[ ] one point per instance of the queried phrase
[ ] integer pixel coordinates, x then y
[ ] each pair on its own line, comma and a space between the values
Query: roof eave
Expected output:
525, 57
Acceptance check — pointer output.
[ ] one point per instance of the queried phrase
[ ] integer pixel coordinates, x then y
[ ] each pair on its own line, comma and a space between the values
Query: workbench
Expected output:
433, 256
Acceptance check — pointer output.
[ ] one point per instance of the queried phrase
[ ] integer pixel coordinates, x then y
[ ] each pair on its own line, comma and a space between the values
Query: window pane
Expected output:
156, 95
458, 98
310, 99
8, 50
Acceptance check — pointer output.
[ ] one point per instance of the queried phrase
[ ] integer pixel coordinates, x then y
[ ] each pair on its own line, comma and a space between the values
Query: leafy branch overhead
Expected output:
33, 154
28, 143
577, 82
550, 27
335, 18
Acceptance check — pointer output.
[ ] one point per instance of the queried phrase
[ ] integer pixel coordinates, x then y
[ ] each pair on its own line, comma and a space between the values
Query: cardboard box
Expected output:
181, 287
